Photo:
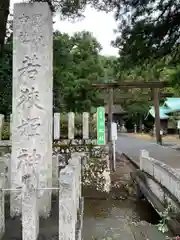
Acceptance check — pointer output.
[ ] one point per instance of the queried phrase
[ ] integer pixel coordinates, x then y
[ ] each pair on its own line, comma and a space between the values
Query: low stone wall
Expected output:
97, 174
94, 161
69, 158
169, 178
70, 199
70, 202
96, 171
62, 151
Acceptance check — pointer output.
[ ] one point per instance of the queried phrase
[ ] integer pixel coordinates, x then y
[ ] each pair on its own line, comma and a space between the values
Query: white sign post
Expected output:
114, 138
178, 124
178, 127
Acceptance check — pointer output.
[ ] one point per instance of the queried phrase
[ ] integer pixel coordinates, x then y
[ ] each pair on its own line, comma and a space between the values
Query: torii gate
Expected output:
153, 85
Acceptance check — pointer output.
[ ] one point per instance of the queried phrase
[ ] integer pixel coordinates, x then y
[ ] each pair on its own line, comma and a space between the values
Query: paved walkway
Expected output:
118, 220
131, 146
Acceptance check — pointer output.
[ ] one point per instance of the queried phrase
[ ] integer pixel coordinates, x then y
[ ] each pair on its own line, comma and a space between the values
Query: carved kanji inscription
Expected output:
24, 19
33, 24
29, 98
25, 38
30, 67
28, 161
35, 18
29, 127
32, 106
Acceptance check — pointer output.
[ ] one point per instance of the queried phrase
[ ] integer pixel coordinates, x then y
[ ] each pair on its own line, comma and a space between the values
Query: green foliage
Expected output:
140, 99
65, 9
148, 30
6, 79
78, 126
63, 127
162, 226
109, 65
77, 64
75, 9
6, 131
76, 67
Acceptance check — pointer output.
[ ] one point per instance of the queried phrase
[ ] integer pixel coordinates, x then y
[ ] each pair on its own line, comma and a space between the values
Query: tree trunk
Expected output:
4, 12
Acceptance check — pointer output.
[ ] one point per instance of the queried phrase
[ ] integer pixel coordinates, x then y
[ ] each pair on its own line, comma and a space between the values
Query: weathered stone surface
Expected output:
81, 213
32, 99
85, 125
143, 156
67, 208
4, 166
1, 125
2, 206
56, 126
30, 211
55, 173
162, 173
156, 189
71, 125
75, 163
10, 127
96, 172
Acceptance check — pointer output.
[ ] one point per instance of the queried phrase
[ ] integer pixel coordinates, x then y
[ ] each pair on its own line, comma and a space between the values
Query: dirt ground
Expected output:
122, 185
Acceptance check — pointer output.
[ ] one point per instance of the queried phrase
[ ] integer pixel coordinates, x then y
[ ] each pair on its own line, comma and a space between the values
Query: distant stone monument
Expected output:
135, 128
123, 128
32, 108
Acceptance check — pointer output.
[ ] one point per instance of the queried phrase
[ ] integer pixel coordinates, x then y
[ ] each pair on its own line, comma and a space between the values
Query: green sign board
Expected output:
101, 126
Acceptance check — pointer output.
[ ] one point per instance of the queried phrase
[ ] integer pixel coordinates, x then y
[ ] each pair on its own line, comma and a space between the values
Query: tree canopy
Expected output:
149, 30
65, 8
147, 27
148, 42
77, 64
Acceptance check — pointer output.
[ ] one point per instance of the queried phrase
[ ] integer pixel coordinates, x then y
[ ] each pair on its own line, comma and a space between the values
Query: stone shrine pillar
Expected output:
32, 102
85, 125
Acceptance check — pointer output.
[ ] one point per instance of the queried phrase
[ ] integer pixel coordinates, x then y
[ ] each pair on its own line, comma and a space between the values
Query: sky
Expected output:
100, 24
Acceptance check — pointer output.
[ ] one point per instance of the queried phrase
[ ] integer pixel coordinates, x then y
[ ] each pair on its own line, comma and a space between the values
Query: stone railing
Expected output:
58, 123
62, 152
70, 200
162, 173
68, 183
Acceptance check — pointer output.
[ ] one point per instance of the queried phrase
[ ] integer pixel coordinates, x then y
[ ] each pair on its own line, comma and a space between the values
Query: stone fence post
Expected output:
75, 163
30, 207
85, 125
71, 125
67, 207
56, 126
143, 154
2, 206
